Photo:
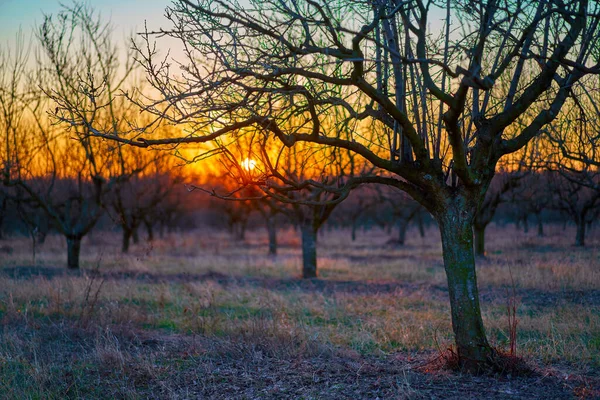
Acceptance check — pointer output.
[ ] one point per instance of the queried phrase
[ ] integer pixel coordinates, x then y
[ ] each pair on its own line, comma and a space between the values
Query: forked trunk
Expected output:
309, 251
73, 251
479, 235
472, 346
272, 230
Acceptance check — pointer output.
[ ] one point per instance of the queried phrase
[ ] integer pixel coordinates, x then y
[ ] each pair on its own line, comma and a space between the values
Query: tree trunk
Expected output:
580, 236
125, 241
73, 251
2, 216
479, 235
353, 231
135, 235
41, 236
402, 228
459, 262
149, 230
421, 225
309, 251
525, 224
540, 224
272, 231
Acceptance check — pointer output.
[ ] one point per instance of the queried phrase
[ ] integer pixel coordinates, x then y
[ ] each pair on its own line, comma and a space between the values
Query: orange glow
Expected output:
248, 164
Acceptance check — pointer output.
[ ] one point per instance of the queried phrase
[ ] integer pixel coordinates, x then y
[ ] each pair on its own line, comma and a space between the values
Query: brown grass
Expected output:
198, 311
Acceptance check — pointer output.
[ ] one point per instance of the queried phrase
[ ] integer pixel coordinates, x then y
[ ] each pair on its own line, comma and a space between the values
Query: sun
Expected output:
248, 164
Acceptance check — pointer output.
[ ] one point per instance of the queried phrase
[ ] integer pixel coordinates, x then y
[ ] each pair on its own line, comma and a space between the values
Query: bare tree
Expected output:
403, 210
422, 101
502, 184
579, 202
139, 199
532, 196
574, 140
356, 208
66, 173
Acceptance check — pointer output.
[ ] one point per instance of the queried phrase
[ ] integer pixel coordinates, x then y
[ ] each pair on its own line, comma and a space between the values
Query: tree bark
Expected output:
479, 235
272, 231
459, 262
309, 251
73, 251
353, 233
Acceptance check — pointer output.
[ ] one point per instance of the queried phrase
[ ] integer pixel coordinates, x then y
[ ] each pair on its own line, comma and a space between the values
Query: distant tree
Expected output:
532, 196
269, 210
356, 208
504, 183
139, 199
3, 210
403, 209
64, 172
575, 200
574, 157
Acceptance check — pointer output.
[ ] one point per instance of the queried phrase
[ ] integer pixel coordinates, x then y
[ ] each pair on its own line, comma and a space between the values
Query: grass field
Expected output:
198, 315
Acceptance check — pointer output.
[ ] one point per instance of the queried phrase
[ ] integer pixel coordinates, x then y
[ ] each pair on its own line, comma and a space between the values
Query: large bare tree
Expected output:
432, 106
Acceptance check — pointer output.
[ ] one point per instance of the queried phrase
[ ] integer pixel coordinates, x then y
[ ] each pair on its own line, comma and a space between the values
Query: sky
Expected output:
127, 15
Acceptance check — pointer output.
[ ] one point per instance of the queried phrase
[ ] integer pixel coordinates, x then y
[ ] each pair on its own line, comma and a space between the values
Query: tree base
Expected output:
499, 364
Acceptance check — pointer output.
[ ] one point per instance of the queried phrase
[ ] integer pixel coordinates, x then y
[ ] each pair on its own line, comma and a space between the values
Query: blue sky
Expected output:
126, 15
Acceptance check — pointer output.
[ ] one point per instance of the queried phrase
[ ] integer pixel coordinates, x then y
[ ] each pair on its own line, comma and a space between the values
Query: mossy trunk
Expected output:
309, 251
272, 231
456, 230
73, 251
479, 236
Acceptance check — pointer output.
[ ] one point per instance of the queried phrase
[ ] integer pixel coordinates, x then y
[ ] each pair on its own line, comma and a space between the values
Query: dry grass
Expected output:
187, 315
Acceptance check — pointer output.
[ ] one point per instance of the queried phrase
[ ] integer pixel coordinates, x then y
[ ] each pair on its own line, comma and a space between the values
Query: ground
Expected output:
199, 315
